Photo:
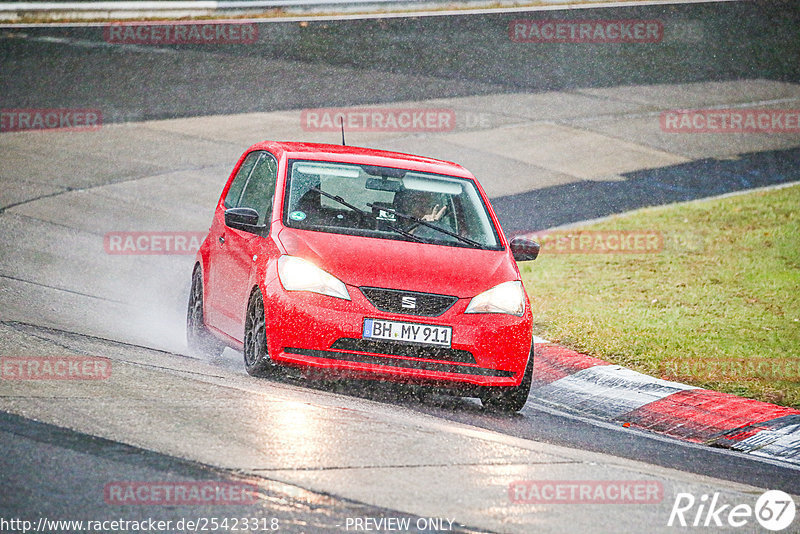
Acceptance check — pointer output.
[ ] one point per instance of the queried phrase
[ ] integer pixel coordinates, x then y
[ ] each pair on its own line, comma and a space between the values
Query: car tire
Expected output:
199, 340
509, 399
256, 357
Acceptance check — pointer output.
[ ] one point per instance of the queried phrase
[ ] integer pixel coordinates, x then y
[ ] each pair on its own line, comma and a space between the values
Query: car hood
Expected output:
365, 261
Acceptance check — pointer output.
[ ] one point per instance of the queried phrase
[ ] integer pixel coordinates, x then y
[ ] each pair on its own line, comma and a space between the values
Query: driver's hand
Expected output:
435, 214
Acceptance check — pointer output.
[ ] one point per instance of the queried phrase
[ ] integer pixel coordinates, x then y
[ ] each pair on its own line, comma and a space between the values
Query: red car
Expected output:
364, 264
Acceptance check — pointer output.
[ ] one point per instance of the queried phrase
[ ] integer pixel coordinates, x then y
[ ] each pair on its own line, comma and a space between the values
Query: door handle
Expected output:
221, 240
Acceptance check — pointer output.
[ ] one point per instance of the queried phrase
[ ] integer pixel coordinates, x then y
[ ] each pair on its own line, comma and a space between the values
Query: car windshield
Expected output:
388, 203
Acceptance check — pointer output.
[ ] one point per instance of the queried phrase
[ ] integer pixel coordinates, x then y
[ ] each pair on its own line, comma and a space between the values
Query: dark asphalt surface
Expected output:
19, 464
579, 201
539, 423
343, 63
60, 475
52, 472
330, 63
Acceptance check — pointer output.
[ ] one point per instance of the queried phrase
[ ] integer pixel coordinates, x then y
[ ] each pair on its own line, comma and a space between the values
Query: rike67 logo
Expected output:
774, 510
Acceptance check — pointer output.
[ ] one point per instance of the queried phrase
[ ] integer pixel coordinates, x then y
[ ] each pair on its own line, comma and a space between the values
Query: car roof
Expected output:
361, 155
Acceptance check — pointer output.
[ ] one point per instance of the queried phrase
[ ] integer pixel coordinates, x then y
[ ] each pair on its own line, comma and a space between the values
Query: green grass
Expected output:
718, 307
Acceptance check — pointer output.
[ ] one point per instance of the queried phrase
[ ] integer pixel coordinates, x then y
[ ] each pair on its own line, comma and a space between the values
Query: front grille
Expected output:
400, 349
396, 362
408, 302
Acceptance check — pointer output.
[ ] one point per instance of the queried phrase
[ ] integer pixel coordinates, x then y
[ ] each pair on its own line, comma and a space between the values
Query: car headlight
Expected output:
297, 274
508, 297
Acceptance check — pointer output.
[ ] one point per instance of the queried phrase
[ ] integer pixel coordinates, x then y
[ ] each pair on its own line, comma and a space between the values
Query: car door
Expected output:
215, 280
236, 249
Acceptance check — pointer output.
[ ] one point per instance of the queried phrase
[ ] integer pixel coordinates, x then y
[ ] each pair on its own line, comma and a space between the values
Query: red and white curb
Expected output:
588, 386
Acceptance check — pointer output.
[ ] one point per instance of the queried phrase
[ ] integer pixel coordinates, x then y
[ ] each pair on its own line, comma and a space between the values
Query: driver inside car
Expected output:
424, 206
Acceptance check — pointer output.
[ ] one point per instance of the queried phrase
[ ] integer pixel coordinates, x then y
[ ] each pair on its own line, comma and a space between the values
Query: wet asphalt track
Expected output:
347, 63
57, 474
52, 472
422, 58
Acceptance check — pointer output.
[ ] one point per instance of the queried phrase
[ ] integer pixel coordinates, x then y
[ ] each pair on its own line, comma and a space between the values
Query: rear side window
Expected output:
235, 190
260, 188
254, 185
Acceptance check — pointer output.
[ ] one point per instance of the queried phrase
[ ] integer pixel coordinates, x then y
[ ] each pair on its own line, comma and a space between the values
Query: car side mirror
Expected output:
524, 249
243, 219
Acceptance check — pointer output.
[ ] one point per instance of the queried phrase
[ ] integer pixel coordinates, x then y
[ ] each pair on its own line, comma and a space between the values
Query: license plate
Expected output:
426, 334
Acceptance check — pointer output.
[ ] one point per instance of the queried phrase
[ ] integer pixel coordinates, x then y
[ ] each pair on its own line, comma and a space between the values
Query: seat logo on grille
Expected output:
409, 302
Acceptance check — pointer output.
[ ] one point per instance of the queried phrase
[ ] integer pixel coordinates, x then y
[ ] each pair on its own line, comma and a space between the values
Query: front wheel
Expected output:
509, 399
256, 357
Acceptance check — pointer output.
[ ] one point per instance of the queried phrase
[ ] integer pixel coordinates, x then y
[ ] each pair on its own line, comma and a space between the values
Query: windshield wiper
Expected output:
429, 225
365, 214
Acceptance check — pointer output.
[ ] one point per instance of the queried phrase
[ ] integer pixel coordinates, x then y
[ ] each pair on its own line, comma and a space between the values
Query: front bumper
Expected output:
324, 333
